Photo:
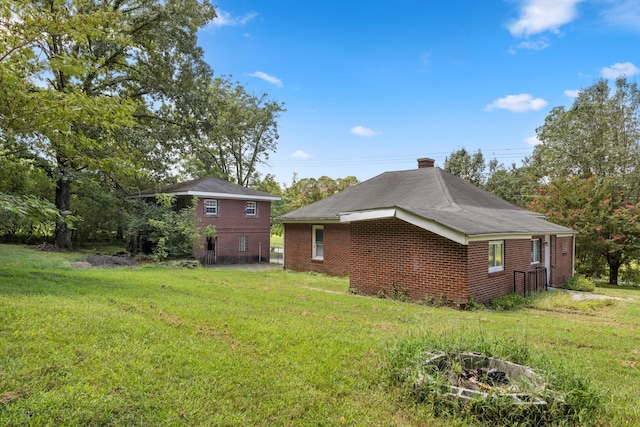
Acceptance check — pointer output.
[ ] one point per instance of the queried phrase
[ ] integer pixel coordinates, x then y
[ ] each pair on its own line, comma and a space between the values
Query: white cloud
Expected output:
538, 16
532, 140
623, 13
300, 155
619, 70
517, 103
362, 131
540, 44
225, 19
266, 77
571, 93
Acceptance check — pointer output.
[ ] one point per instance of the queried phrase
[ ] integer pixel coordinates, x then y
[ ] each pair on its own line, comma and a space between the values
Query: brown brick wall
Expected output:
391, 252
231, 223
485, 286
561, 260
383, 254
298, 249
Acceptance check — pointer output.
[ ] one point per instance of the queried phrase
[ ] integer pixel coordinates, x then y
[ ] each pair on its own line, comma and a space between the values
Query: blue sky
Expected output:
370, 86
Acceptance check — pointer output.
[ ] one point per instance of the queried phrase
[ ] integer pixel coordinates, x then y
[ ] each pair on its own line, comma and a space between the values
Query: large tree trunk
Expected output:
615, 261
62, 237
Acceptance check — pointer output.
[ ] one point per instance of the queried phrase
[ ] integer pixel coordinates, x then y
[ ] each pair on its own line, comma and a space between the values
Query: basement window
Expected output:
496, 256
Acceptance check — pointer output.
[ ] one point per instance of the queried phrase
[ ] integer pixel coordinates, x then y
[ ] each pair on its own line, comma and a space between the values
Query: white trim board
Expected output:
427, 224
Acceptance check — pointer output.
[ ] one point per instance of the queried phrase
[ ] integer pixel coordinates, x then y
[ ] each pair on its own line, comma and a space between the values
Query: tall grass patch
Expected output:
571, 398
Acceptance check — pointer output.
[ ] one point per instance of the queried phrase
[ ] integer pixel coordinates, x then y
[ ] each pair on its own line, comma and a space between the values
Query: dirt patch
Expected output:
585, 296
386, 326
47, 247
105, 261
11, 396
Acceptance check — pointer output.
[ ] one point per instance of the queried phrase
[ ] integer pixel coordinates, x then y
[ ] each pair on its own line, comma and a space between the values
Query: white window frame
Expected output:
210, 207
317, 254
243, 244
535, 251
496, 267
251, 208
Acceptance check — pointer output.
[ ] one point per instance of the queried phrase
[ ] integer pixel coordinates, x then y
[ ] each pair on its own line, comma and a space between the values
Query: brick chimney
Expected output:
425, 162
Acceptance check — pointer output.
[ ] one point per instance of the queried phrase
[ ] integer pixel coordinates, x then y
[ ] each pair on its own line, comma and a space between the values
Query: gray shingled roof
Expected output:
209, 187
434, 195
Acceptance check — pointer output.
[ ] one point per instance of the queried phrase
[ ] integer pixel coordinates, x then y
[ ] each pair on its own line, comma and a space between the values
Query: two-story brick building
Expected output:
429, 234
241, 217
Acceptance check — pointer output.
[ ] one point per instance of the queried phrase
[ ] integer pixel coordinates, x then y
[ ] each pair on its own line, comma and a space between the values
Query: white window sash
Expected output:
496, 261
318, 246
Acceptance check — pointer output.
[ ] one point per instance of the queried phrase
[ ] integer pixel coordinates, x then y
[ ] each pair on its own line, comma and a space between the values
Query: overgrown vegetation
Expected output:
570, 397
158, 345
580, 283
510, 301
160, 230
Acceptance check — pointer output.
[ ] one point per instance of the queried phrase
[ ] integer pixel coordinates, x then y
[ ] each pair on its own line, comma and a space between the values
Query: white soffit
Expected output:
416, 220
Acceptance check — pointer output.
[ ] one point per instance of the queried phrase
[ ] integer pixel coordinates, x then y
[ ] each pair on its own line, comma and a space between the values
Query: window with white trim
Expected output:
210, 207
496, 256
243, 244
318, 242
535, 251
250, 209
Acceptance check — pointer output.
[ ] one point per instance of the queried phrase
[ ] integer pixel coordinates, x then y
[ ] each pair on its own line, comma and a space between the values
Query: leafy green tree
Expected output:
469, 167
238, 132
608, 225
515, 185
270, 185
599, 135
103, 209
26, 215
163, 231
305, 191
75, 73
591, 153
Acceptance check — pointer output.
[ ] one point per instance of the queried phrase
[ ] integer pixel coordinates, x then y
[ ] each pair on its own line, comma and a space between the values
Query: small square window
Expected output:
243, 244
250, 209
210, 207
535, 251
496, 256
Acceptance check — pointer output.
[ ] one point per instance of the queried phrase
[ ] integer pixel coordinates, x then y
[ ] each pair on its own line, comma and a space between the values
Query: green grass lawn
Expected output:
166, 346
277, 240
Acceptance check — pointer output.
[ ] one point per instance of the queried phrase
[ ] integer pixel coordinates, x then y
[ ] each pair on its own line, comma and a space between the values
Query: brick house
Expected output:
240, 215
429, 234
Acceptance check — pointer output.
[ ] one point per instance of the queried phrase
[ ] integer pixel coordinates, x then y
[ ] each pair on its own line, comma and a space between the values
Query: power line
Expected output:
503, 153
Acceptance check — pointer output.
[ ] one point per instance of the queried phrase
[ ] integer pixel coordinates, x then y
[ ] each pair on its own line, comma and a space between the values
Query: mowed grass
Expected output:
166, 346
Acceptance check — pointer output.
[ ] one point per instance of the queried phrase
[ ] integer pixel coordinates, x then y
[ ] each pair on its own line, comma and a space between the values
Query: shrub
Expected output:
580, 283
510, 301
162, 231
630, 275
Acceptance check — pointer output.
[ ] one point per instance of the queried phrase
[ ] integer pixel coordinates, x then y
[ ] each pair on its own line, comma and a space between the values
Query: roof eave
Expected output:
308, 220
207, 194
440, 229
418, 221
